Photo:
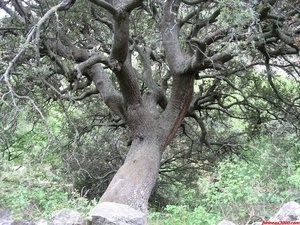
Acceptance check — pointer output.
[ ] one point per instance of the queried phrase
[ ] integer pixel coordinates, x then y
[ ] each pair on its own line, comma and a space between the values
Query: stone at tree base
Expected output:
6, 222
67, 217
226, 222
4, 214
5, 218
42, 222
22, 222
288, 212
110, 213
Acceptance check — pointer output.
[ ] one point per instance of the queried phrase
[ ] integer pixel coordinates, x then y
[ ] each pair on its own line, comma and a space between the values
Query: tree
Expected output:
145, 59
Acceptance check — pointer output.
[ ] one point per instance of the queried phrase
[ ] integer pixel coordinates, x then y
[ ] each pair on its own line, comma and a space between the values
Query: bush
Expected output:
242, 190
33, 192
183, 215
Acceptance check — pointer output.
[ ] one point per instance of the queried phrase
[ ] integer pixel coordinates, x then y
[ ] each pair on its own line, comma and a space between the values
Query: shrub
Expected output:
33, 192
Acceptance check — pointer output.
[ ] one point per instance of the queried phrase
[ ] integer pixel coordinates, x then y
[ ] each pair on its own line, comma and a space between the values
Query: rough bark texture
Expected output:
134, 181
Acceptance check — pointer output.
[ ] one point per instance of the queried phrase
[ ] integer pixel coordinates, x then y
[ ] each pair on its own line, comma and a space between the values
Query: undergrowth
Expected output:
243, 190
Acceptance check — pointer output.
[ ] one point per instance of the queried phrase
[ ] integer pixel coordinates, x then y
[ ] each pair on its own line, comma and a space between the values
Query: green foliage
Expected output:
32, 184
294, 179
241, 189
183, 215
27, 139
240, 13
34, 192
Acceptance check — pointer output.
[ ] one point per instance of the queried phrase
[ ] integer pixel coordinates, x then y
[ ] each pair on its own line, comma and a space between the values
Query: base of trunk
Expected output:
133, 183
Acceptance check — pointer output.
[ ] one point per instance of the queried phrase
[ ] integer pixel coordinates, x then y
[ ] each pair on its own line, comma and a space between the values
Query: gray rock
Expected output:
110, 213
257, 223
226, 222
4, 214
22, 222
5, 218
42, 222
16, 222
288, 212
6, 222
67, 217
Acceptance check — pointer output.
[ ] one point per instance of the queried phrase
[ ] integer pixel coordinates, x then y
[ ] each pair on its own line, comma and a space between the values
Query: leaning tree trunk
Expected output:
134, 181
151, 129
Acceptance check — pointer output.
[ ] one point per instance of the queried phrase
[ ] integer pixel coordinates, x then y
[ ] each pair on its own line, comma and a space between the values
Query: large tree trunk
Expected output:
151, 129
134, 181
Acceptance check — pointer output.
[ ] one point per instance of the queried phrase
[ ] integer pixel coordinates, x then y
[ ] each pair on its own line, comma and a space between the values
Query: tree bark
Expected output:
134, 181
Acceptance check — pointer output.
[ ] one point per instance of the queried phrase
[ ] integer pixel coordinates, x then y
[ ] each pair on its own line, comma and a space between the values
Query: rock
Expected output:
5, 218
257, 223
6, 222
4, 214
288, 212
42, 222
22, 222
226, 222
110, 213
67, 217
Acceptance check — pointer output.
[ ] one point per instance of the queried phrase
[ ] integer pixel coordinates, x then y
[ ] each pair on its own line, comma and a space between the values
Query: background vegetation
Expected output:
246, 184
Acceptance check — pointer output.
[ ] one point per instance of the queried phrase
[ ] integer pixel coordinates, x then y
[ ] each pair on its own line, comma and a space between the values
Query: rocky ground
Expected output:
109, 214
